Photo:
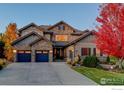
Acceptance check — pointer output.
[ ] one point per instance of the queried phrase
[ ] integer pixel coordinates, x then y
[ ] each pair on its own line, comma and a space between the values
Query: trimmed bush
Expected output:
90, 61
1, 67
108, 59
113, 60
3, 63
73, 63
76, 61
68, 61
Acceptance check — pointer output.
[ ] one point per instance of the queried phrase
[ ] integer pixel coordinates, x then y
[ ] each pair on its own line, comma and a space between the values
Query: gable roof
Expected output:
29, 25
81, 37
39, 39
23, 37
60, 23
45, 26
79, 32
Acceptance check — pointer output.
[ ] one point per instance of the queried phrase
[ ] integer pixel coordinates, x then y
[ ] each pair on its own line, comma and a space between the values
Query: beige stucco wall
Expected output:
87, 42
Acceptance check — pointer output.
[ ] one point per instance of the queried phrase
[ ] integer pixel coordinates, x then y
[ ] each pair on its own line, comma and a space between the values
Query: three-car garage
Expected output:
26, 56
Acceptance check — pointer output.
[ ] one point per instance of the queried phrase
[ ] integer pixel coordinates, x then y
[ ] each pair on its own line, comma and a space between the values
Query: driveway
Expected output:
42, 74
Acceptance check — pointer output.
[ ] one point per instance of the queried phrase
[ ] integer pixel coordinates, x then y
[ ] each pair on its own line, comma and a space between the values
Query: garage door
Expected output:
24, 56
42, 56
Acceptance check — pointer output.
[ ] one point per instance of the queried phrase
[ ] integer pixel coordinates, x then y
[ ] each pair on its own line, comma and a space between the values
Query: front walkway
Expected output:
42, 74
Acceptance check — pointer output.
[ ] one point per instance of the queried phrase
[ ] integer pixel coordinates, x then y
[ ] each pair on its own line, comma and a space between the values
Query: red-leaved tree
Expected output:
110, 34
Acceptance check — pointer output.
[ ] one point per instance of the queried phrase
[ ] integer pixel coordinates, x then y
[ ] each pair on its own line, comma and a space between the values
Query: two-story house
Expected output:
48, 43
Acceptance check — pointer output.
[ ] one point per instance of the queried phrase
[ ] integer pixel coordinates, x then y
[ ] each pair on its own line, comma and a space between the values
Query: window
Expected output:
38, 51
61, 27
20, 51
86, 51
24, 51
28, 51
61, 37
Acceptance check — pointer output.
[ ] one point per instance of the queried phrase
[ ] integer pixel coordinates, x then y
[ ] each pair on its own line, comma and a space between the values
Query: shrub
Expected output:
108, 59
73, 63
81, 62
2, 63
76, 61
68, 61
1, 67
113, 60
90, 61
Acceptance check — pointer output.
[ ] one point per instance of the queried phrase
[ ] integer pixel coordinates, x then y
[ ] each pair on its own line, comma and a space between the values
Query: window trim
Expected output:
61, 27
85, 51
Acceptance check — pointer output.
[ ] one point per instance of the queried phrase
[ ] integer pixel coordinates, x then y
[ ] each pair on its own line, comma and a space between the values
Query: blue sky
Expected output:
81, 16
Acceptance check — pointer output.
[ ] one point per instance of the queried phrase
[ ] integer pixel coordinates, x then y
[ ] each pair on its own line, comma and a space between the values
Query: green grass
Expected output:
100, 76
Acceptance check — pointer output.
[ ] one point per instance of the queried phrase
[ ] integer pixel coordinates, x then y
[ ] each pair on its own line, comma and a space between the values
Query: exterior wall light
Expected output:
51, 51
72, 50
14, 51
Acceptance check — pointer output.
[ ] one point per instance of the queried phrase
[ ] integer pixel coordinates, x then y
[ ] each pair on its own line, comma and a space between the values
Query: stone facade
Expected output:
24, 44
47, 42
43, 45
29, 30
67, 31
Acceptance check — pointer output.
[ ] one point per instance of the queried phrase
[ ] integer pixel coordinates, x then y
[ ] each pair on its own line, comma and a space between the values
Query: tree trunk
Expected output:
119, 64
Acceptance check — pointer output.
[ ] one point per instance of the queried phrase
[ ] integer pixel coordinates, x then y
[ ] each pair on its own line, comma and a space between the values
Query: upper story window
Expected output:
61, 37
61, 27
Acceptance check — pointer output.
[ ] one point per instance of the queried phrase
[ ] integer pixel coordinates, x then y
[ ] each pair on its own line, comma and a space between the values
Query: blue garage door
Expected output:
42, 56
24, 56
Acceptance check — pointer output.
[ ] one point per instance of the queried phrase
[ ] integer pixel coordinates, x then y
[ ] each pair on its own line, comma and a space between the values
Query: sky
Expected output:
80, 16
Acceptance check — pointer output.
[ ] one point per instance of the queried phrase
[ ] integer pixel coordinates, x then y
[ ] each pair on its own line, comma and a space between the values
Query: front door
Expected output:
58, 53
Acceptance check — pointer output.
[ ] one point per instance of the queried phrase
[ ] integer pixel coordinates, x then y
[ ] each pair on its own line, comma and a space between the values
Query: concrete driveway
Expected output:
42, 74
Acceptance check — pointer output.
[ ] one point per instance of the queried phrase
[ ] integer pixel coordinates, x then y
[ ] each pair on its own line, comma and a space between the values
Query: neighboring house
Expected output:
47, 43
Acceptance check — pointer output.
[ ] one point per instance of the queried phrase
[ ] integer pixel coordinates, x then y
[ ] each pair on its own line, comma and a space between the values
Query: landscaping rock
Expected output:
107, 66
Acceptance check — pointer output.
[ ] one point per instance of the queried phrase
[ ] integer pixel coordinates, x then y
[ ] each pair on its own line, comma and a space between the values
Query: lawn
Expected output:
100, 76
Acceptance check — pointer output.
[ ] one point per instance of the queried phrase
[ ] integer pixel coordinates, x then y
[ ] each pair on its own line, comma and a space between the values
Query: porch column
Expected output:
33, 55
15, 55
51, 56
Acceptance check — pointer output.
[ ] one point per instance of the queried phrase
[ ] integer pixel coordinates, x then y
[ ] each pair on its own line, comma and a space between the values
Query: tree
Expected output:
9, 36
2, 44
110, 34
